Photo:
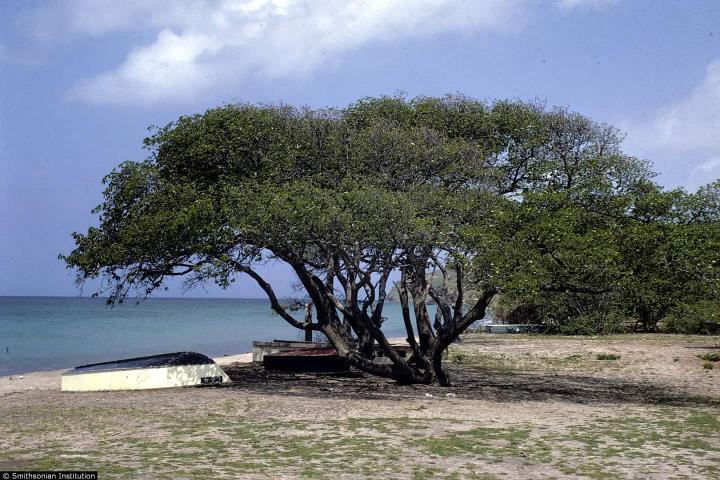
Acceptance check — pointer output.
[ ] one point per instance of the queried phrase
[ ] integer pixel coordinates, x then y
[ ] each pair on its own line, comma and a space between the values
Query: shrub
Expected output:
699, 318
709, 366
710, 357
607, 356
593, 324
458, 357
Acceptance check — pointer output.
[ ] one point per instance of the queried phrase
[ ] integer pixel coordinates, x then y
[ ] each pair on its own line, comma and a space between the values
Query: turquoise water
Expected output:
48, 333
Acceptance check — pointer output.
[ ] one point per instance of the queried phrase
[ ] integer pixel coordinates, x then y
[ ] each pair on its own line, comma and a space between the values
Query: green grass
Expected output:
224, 444
496, 363
599, 449
607, 356
226, 440
197, 444
528, 362
458, 357
710, 357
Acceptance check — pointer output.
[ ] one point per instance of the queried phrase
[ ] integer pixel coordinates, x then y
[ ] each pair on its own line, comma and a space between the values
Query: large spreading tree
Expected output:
383, 193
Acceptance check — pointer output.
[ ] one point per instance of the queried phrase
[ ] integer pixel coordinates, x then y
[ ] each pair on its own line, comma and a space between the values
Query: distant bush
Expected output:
699, 318
592, 324
524, 314
458, 357
708, 366
690, 326
607, 356
506, 310
603, 316
710, 357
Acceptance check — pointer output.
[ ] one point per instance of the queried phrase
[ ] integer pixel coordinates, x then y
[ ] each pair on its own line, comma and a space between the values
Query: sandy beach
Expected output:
50, 380
520, 407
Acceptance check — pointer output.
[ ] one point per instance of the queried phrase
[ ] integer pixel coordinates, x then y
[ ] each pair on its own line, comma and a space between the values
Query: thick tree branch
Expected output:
274, 303
459, 278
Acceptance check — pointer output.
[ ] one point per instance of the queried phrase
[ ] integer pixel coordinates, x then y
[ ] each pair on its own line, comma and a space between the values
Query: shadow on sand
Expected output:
468, 383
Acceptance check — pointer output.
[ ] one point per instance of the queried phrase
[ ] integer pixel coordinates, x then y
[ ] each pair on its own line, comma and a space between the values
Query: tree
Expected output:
602, 267
352, 199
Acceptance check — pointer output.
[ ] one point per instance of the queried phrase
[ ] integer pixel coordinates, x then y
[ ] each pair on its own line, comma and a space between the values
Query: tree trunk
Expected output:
366, 342
438, 369
308, 322
427, 365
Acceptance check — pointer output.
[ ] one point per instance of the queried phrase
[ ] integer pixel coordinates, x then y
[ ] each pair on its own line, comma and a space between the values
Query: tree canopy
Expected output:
510, 197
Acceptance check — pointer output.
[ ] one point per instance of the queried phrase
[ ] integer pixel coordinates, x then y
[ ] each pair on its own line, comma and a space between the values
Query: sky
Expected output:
82, 80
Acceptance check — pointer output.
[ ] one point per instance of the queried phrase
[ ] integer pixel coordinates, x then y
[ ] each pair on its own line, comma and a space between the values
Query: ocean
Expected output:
49, 333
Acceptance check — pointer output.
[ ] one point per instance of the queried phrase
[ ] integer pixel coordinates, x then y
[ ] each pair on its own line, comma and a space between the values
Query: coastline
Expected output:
513, 388
50, 379
80, 331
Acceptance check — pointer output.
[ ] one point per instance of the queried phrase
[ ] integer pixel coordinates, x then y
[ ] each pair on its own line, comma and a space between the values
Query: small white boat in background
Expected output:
180, 369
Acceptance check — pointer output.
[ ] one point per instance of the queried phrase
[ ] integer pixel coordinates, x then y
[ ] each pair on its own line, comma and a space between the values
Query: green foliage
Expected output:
243, 180
708, 366
458, 357
710, 357
538, 204
638, 257
702, 316
597, 322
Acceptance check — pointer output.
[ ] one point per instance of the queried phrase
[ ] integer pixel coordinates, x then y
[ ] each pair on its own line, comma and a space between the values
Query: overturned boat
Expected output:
180, 369
319, 360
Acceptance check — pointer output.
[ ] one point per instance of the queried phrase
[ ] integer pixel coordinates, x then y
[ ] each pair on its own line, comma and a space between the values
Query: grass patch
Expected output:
525, 362
482, 361
603, 448
175, 444
494, 443
708, 366
710, 357
607, 356
181, 442
458, 357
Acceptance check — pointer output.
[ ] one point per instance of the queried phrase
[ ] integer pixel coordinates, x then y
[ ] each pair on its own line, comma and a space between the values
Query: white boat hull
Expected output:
145, 378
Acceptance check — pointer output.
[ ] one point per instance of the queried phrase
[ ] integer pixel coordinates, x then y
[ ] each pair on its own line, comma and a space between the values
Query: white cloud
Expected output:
570, 4
693, 122
97, 17
202, 45
685, 133
166, 70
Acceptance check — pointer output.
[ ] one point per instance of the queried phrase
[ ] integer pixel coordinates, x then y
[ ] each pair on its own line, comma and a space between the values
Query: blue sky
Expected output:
82, 80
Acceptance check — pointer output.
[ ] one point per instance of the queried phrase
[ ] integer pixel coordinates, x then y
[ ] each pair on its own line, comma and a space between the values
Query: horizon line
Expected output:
142, 298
